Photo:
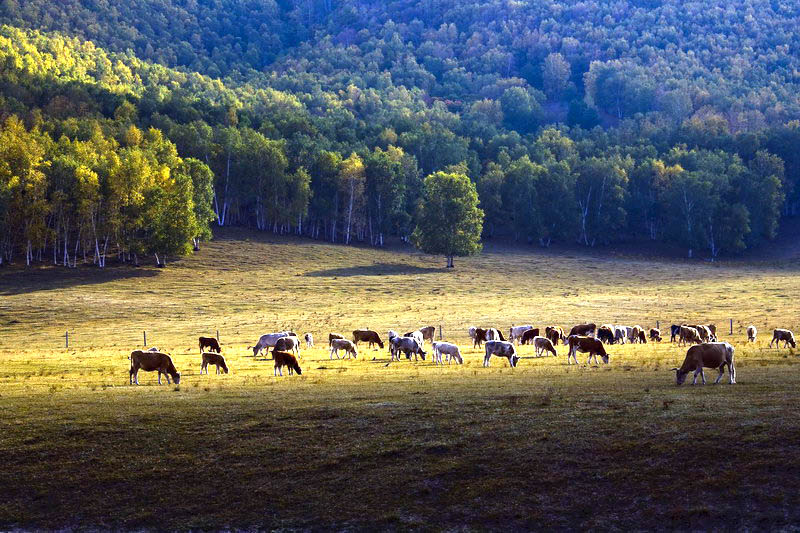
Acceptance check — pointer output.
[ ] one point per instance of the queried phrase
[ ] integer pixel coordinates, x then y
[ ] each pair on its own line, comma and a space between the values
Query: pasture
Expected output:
357, 444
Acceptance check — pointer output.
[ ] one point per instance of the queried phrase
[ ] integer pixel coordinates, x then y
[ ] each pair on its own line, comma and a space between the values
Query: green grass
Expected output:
361, 445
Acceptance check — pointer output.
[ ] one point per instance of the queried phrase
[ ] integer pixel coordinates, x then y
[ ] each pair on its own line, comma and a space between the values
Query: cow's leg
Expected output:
721, 371
731, 374
486, 360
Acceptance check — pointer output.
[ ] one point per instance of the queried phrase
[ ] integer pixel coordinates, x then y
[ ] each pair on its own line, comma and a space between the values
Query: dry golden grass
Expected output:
361, 445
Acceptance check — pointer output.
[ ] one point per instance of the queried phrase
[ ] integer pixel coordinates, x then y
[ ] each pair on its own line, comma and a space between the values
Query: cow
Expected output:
655, 334
450, 350
555, 334
674, 332
478, 337
309, 338
689, 334
707, 355
543, 344
586, 344
287, 344
283, 359
620, 334
367, 335
268, 340
150, 361
638, 335
529, 335
213, 358
407, 345
501, 349
428, 333
494, 334
583, 330
782, 335
343, 344
515, 332
605, 334
751, 333
417, 335
211, 343
332, 336
713, 328
702, 332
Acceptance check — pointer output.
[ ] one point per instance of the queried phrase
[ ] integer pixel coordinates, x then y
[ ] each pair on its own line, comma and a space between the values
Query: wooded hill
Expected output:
595, 122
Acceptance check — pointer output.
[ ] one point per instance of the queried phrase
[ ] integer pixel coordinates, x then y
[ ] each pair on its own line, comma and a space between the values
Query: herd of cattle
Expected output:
705, 352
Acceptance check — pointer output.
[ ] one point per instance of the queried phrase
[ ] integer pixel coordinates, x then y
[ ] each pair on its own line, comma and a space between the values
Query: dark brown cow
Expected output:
528, 336
213, 358
332, 336
709, 355
428, 333
555, 334
150, 361
283, 359
479, 338
588, 345
690, 335
211, 343
782, 335
605, 334
655, 334
367, 335
583, 330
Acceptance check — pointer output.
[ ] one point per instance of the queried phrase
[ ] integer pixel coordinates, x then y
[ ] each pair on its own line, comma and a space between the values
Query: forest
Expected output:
129, 129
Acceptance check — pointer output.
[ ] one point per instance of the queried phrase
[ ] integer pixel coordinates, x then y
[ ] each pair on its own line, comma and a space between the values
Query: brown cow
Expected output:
529, 335
782, 335
690, 335
367, 335
428, 333
479, 338
211, 343
150, 361
583, 330
588, 345
283, 359
212, 358
332, 336
709, 355
555, 334
606, 334
703, 332
655, 334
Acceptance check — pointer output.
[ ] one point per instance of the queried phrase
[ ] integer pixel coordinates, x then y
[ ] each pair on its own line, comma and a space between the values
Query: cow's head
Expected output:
604, 357
176, 377
680, 376
223, 365
791, 341
423, 353
380, 343
514, 360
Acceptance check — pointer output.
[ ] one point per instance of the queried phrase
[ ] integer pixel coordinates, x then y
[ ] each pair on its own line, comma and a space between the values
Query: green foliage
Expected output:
449, 221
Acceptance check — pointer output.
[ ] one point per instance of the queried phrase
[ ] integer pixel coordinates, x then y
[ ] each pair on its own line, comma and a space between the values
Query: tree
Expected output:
449, 221
352, 182
555, 75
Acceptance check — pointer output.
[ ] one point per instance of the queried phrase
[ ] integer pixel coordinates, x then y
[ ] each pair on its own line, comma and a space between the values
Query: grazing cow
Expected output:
268, 340
555, 334
367, 335
287, 344
515, 333
709, 355
493, 334
529, 335
655, 334
543, 344
332, 336
416, 335
501, 349
782, 335
585, 344
690, 335
309, 340
343, 344
605, 334
283, 359
428, 333
150, 361
583, 330
478, 337
713, 328
211, 343
213, 358
751, 333
674, 332
448, 349
702, 332
408, 345
620, 334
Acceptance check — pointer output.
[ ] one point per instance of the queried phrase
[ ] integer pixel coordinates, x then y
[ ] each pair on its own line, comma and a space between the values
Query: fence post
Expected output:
731, 326
144, 333
440, 332
217, 335
658, 325
66, 338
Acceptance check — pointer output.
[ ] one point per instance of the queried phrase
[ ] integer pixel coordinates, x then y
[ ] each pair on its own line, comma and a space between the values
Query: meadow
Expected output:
362, 445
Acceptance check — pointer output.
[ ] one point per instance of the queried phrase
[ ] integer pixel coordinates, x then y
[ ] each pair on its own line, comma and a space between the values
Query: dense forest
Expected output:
128, 128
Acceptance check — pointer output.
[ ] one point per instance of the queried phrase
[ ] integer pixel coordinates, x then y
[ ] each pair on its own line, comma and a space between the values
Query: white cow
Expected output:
343, 344
450, 350
515, 333
267, 341
501, 349
309, 340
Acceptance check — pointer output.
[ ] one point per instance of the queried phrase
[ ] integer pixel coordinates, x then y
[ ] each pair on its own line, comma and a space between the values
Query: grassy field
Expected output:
360, 445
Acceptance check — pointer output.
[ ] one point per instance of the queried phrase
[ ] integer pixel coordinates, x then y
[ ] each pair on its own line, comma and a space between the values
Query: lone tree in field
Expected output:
449, 220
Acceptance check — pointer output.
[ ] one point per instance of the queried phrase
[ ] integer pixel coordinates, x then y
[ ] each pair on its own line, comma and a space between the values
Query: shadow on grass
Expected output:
18, 280
378, 269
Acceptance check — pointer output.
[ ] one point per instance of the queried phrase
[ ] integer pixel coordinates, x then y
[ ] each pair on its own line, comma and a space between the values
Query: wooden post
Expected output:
144, 333
66, 339
217, 335
658, 325
731, 326
440, 332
